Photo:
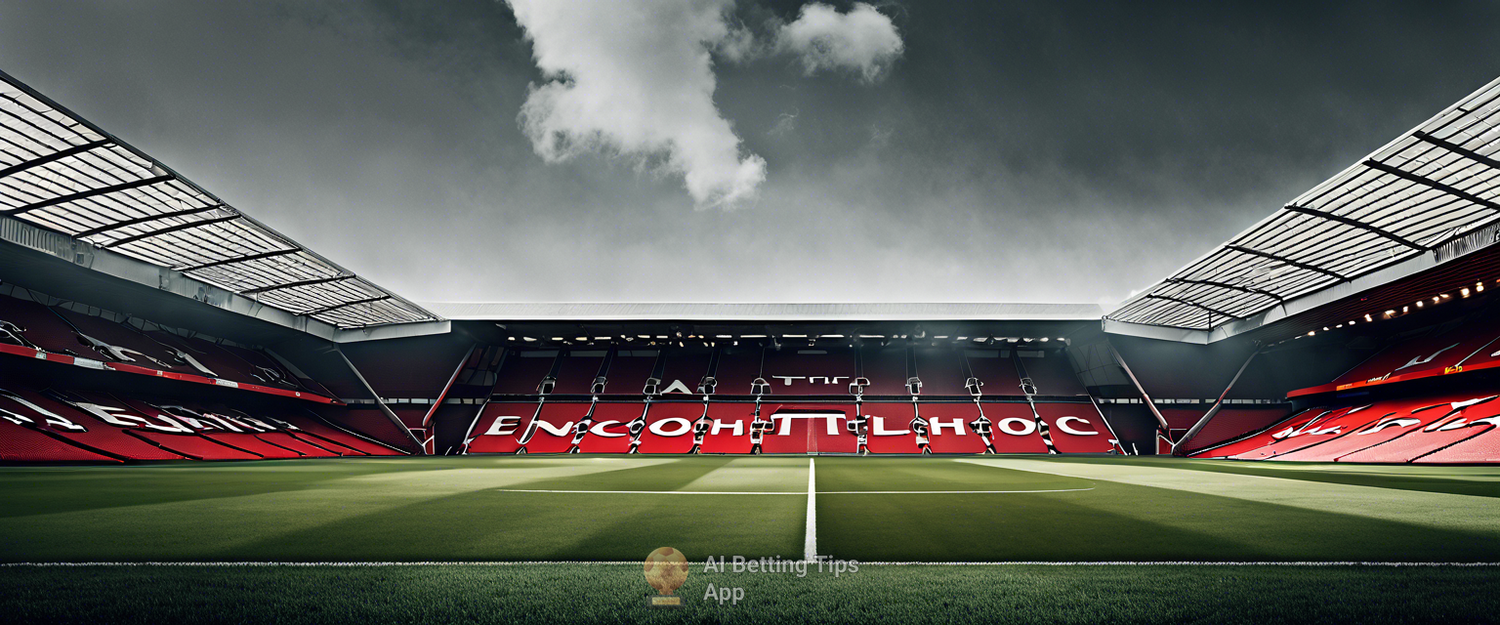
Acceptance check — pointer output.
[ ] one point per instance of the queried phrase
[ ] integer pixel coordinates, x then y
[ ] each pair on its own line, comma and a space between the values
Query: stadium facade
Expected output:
144, 319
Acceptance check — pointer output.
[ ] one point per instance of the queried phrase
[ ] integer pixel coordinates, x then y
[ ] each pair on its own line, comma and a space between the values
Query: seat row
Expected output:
726, 427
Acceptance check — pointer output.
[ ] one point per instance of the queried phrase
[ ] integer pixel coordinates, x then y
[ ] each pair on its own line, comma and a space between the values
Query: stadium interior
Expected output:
142, 319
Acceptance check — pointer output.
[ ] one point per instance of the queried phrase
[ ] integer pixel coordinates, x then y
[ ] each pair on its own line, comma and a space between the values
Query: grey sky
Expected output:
1056, 151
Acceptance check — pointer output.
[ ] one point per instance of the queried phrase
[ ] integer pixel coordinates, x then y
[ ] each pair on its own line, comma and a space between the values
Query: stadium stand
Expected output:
669, 427
1076, 428
500, 426
886, 369
943, 371
946, 439
996, 370
629, 369
1015, 428
730, 428
609, 427
738, 369
684, 369
523, 371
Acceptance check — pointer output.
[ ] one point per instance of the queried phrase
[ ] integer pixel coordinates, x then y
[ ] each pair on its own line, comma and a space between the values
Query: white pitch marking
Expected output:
657, 492
796, 492
810, 546
222, 564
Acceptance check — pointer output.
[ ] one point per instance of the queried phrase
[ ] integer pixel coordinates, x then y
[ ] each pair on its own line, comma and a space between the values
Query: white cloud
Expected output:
863, 40
636, 79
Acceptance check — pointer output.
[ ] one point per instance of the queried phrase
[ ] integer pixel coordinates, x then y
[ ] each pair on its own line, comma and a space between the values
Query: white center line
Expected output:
810, 546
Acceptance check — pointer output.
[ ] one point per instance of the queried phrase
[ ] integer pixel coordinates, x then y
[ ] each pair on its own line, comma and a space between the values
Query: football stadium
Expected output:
202, 419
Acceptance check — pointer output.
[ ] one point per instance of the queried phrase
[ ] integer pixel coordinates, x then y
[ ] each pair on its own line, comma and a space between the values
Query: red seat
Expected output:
248, 442
808, 427
1051, 373
996, 369
500, 427
629, 370
947, 440
1076, 428
610, 431
1260, 439
729, 428
578, 370
552, 430
889, 428
286, 440
523, 370
1324, 427
682, 370
943, 371
669, 427
886, 370
738, 368
809, 371
1015, 428
19, 443
193, 446
1391, 419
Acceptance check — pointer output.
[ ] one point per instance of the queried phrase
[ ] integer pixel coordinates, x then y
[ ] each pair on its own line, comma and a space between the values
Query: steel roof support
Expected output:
55, 156
1303, 210
1254, 252
1194, 305
1449, 189
293, 285
1458, 149
241, 259
1225, 285
149, 218
334, 307
81, 195
171, 229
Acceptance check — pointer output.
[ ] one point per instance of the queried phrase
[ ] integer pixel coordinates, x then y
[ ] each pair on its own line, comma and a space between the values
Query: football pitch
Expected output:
1021, 538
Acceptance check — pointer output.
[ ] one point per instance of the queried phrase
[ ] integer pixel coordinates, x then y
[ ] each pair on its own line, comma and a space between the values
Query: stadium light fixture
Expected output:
1464, 291
1311, 332
1419, 303
1368, 318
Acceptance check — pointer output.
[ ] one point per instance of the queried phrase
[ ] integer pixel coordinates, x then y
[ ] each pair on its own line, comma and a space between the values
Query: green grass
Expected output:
471, 509
609, 594
1072, 509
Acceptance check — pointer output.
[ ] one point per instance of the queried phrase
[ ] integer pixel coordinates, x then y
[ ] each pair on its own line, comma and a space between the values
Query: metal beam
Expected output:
63, 199
325, 309
140, 220
1254, 252
241, 259
1194, 305
1303, 210
1224, 285
293, 285
1458, 149
171, 229
1450, 190
55, 156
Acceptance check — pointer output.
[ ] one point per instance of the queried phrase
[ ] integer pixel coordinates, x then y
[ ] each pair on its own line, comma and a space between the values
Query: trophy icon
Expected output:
666, 570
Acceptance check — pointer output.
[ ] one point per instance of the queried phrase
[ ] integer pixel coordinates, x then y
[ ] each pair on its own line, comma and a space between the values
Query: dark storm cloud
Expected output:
1014, 151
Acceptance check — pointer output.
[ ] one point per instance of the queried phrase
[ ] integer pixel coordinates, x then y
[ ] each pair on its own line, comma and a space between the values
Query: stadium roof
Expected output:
64, 174
766, 312
1404, 202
